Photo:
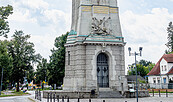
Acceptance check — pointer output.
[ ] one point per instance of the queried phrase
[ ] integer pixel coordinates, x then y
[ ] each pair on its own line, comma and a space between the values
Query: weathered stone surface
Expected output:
82, 72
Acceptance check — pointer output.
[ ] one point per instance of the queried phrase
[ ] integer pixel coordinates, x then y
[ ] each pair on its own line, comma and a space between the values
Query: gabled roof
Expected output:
168, 58
171, 71
156, 69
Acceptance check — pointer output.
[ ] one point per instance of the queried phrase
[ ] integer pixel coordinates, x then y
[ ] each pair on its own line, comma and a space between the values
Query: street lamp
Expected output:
135, 54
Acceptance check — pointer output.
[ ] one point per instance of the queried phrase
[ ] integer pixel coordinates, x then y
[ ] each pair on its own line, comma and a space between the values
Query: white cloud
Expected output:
41, 20
22, 17
35, 4
56, 16
148, 31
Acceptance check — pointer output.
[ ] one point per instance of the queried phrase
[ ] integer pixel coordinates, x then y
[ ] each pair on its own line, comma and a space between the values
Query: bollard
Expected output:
153, 92
54, 97
35, 94
166, 93
48, 97
159, 93
78, 100
103, 100
62, 98
89, 100
40, 96
57, 98
68, 99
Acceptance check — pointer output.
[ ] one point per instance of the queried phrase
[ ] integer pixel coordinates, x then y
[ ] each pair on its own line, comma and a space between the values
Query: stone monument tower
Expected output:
95, 48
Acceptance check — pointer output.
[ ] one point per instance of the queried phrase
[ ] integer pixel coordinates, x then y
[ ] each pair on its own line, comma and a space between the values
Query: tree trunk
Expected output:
17, 89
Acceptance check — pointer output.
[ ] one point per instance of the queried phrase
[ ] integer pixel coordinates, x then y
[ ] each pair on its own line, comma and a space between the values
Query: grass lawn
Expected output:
14, 93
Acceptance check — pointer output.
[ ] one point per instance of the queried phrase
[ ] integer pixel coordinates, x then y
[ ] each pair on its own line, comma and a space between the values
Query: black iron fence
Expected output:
160, 85
38, 94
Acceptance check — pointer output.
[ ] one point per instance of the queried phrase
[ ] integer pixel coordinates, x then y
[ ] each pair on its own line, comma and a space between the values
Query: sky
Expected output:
144, 24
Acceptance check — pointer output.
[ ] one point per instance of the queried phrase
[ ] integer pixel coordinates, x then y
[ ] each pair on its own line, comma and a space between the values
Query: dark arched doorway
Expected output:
102, 70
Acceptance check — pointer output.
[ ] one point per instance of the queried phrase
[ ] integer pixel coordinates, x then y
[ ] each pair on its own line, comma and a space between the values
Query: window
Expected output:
165, 68
162, 68
154, 80
158, 80
68, 57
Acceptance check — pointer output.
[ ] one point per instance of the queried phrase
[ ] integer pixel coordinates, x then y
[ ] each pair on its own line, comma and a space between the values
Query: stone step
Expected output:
105, 89
110, 94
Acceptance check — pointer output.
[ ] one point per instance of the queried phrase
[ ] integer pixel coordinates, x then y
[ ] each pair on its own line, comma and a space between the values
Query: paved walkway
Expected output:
31, 98
156, 98
25, 98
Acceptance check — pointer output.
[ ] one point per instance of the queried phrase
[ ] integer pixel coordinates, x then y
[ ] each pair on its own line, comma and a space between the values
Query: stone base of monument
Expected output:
101, 94
71, 95
141, 93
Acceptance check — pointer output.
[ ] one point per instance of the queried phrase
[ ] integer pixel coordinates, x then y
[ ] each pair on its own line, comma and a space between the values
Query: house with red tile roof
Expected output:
162, 72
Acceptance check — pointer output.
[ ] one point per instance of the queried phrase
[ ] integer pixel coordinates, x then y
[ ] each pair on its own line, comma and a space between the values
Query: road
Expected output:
18, 98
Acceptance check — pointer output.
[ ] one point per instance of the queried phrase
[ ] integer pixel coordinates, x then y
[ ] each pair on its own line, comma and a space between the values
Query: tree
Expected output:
170, 38
4, 13
41, 72
143, 68
145, 63
140, 70
56, 66
5, 63
23, 54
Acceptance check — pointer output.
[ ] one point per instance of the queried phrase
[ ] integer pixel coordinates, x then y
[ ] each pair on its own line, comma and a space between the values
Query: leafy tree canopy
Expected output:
143, 68
170, 38
4, 13
56, 66
23, 54
5, 63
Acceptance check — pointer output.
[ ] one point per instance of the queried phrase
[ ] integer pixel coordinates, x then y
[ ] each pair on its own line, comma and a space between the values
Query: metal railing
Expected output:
38, 94
161, 86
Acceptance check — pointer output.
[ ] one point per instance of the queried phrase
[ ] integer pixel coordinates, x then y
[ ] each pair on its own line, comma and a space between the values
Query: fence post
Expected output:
54, 97
40, 94
159, 94
51, 97
153, 92
90, 100
47, 97
68, 99
35, 94
62, 98
57, 98
166, 93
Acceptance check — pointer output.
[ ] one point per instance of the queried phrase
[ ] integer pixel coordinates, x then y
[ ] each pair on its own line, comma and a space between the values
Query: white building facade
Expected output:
162, 73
